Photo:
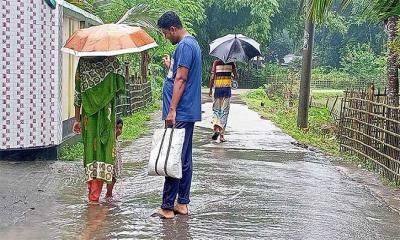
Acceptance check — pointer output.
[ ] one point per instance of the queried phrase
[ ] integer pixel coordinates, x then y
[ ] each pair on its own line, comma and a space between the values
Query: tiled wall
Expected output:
30, 62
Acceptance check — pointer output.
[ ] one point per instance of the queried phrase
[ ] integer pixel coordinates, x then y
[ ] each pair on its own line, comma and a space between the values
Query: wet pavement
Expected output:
256, 185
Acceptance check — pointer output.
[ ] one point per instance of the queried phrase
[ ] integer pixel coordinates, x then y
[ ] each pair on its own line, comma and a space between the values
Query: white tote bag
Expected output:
166, 153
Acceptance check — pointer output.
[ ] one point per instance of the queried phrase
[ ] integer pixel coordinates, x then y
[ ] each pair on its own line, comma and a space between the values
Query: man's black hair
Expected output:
169, 19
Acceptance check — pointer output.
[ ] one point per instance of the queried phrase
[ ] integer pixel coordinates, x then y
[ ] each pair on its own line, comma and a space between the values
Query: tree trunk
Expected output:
304, 94
392, 63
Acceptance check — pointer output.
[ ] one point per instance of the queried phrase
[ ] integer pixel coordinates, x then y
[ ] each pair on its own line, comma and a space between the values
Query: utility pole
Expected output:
304, 94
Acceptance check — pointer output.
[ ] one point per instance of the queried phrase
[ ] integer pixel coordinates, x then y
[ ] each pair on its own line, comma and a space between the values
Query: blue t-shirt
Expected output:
188, 55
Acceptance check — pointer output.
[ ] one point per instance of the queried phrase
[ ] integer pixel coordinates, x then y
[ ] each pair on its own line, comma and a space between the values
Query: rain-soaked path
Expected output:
256, 185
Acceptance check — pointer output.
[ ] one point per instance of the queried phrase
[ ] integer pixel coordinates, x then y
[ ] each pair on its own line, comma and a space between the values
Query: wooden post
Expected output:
334, 105
144, 65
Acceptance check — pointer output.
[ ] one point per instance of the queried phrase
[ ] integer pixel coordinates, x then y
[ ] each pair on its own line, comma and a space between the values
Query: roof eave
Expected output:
79, 13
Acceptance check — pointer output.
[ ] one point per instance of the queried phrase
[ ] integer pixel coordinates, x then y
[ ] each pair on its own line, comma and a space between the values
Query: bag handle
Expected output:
168, 151
159, 151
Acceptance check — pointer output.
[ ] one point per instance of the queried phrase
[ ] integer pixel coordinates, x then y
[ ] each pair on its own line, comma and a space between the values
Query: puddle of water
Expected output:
236, 194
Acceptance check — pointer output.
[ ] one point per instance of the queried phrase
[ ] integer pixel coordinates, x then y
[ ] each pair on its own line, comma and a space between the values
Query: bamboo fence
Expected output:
137, 95
370, 128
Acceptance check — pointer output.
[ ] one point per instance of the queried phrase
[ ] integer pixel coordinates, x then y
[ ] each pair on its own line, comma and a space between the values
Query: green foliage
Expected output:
281, 45
380, 10
333, 34
248, 17
72, 152
341, 30
288, 21
256, 14
275, 69
332, 78
335, 22
135, 125
396, 43
156, 77
321, 131
324, 93
360, 62
141, 15
360, 66
317, 10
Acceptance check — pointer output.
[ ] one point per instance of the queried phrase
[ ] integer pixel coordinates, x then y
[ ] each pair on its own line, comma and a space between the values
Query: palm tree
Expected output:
377, 10
141, 15
392, 62
304, 91
388, 11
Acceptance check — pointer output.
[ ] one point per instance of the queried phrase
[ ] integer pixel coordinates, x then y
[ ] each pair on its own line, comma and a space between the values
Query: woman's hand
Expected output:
77, 127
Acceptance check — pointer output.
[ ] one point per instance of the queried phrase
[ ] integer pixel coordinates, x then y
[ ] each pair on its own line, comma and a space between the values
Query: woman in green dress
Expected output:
98, 82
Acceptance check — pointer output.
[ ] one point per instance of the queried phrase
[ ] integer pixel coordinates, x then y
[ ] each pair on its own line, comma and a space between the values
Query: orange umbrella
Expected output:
108, 40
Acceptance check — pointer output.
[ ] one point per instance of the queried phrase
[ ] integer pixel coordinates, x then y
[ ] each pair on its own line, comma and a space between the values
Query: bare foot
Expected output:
164, 213
109, 198
181, 209
222, 138
93, 202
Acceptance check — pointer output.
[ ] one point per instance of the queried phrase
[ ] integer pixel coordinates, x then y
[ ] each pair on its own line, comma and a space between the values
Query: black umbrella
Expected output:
234, 47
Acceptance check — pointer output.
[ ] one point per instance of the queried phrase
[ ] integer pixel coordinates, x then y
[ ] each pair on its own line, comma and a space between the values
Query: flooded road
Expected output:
256, 185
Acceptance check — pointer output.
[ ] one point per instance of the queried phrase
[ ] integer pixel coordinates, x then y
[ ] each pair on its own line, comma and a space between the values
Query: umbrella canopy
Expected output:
234, 47
108, 40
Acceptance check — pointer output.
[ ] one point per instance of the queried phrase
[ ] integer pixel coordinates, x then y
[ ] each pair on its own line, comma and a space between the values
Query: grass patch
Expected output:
134, 127
356, 161
72, 152
321, 130
322, 93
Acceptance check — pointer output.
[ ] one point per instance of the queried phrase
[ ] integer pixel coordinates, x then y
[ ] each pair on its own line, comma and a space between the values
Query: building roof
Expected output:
79, 13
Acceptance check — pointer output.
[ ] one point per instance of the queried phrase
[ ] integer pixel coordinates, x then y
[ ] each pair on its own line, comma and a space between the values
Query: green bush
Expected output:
156, 77
360, 62
331, 79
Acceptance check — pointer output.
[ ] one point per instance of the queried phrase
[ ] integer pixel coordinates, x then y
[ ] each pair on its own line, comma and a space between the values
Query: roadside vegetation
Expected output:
320, 133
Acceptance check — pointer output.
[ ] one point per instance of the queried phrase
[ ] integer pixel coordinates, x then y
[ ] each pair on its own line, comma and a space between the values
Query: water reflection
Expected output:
236, 193
94, 218
177, 228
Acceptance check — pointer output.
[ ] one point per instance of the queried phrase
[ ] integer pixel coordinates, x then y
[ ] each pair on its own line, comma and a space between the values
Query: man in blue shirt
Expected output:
181, 106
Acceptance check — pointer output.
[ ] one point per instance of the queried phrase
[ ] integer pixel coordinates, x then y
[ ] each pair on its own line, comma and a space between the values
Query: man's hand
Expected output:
77, 127
167, 60
210, 93
171, 118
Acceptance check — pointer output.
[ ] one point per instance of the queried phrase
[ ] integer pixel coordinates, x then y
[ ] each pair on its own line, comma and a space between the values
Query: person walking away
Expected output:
222, 75
98, 81
181, 107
